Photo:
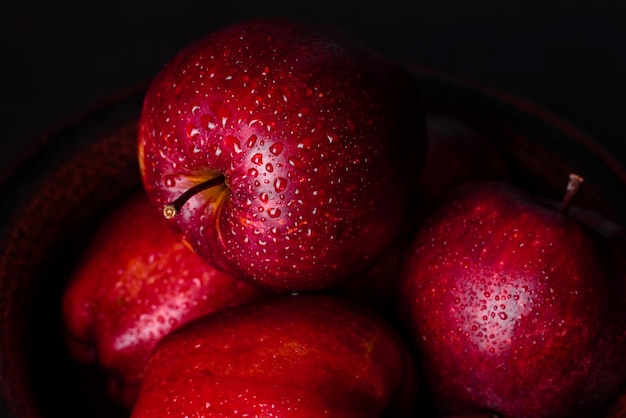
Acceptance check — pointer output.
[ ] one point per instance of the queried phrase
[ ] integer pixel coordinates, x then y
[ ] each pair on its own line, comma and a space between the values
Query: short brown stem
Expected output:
172, 209
572, 188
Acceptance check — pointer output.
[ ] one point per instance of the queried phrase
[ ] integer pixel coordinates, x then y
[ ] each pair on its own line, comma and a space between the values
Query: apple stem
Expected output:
172, 209
572, 187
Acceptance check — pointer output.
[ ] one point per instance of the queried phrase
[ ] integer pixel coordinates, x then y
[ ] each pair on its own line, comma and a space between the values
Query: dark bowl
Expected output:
54, 197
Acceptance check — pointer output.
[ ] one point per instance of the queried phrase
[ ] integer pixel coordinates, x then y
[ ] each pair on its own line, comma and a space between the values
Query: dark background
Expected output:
60, 58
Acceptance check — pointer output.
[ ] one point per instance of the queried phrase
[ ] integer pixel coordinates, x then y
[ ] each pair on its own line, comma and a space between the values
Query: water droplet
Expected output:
264, 197
207, 121
305, 144
280, 184
274, 212
269, 167
487, 294
503, 316
251, 141
276, 148
295, 162
221, 112
169, 180
332, 137
257, 158
457, 300
485, 317
192, 131
253, 172
233, 143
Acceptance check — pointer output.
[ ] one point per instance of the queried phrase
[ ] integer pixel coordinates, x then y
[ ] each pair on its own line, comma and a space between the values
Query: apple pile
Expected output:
308, 242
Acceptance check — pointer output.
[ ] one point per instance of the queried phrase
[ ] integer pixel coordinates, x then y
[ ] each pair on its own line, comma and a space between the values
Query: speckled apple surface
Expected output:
56, 194
317, 138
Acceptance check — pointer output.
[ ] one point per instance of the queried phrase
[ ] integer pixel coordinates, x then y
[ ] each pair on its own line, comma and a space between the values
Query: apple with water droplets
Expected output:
135, 283
284, 153
291, 356
515, 304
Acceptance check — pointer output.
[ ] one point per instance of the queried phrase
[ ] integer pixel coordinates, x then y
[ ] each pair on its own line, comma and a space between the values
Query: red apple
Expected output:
292, 356
280, 149
516, 306
134, 284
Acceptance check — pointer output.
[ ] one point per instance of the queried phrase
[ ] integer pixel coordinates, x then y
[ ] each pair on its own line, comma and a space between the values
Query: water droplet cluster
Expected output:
494, 290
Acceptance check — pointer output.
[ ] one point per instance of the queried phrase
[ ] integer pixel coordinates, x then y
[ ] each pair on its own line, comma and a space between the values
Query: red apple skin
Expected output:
292, 356
134, 284
317, 136
515, 308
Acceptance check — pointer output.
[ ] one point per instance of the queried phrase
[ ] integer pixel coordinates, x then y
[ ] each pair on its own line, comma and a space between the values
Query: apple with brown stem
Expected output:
516, 304
279, 149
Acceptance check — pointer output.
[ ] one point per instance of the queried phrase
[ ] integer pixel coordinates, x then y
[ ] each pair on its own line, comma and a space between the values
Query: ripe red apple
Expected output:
280, 149
516, 306
134, 284
292, 356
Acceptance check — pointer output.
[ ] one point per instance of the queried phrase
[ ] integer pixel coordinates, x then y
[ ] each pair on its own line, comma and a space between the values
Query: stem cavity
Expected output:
172, 209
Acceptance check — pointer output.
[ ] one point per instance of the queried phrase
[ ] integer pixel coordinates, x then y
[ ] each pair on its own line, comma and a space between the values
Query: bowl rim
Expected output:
528, 107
